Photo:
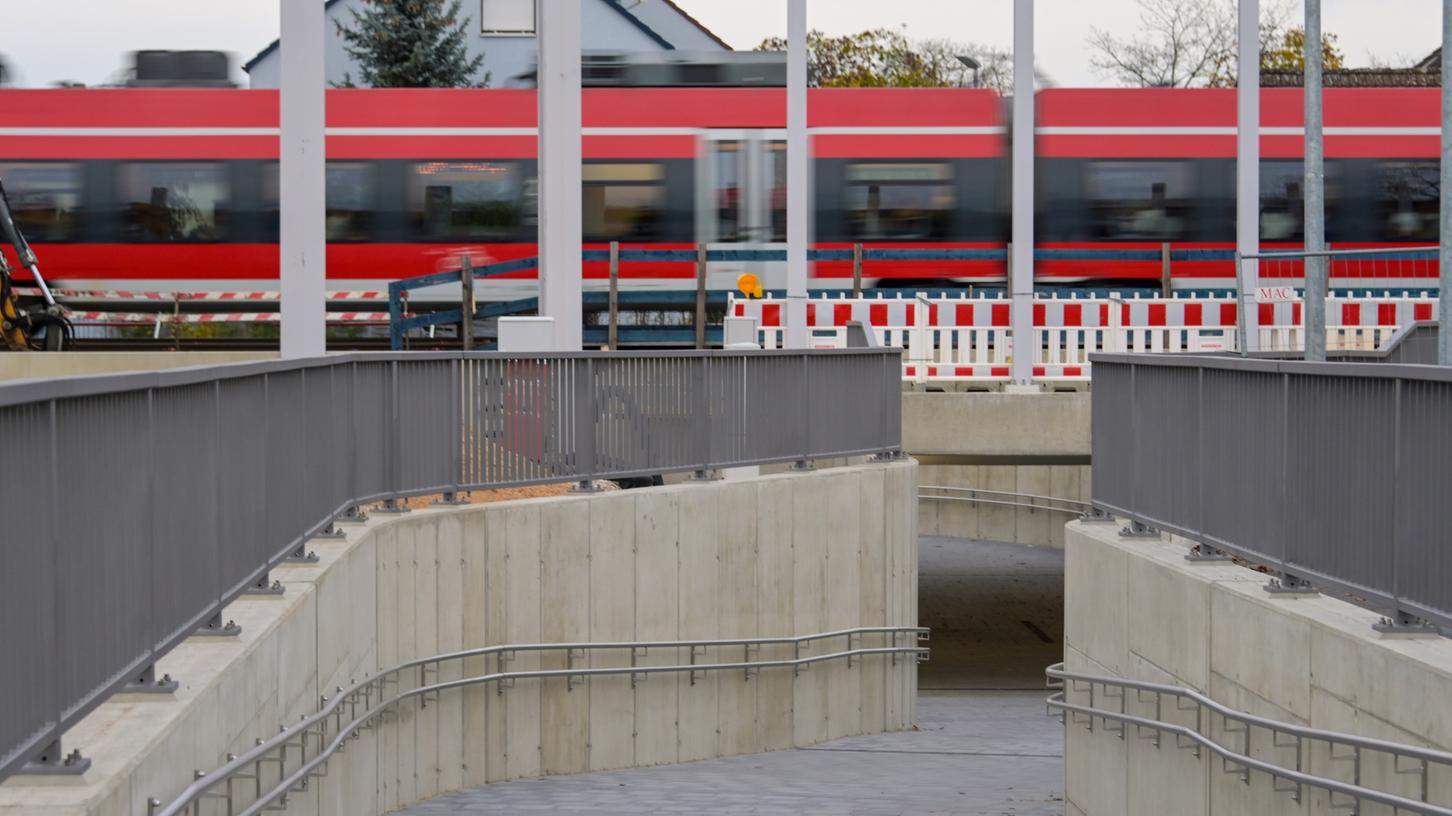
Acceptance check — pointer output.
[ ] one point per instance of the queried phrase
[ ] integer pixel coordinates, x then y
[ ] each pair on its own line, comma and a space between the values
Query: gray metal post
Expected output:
561, 212
466, 303
797, 175
1444, 303
856, 270
1247, 171
700, 296
1315, 226
613, 340
1022, 262
303, 240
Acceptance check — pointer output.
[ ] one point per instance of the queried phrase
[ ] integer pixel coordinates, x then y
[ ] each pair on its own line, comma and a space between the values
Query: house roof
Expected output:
614, 4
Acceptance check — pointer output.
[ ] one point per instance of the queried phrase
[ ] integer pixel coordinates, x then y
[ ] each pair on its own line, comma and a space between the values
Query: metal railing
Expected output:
1283, 751
1334, 473
1026, 501
369, 701
137, 506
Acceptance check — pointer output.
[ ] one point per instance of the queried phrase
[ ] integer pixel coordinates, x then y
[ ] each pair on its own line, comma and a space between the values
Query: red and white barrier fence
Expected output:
969, 339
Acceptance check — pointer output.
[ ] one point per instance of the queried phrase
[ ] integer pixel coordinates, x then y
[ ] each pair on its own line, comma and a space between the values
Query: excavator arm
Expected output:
42, 326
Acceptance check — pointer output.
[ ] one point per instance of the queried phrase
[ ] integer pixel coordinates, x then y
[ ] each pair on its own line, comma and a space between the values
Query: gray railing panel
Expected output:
30, 702
1112, 427
371, 401
1241, 440
1334, 473
241, 479
184, 506
176, 490
1167, 478
1340, 478
1423, 517
104, 543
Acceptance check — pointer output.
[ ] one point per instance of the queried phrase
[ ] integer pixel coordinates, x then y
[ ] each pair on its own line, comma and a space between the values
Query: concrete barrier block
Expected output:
1177, 643
811, 543
776, 614
699, 618
958, 519
1246, 627
565, 594
657, 600
522, 625
843, 595
1096, 588
736, 525
451, 639
612, 620
426, 643
496, 627
474, 609
873, 576
1034, 527
998, 522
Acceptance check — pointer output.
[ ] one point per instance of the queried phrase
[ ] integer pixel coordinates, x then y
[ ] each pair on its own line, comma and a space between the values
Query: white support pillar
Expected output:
1247, 171
1315, 181
1022, 257
798, 176
303, 239
561, 213
1444, 302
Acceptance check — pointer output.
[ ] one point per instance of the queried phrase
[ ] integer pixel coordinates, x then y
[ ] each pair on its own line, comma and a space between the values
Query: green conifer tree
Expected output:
411, 44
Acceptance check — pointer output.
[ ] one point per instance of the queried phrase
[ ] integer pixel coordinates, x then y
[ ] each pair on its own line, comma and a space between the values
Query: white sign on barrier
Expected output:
1275, 294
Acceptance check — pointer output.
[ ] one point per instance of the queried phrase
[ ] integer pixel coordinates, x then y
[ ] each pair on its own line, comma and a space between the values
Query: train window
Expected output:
45, 198
1407, 200
350, 200
728, 191
899, 200
776, 175
1142, 200
624, 202
174, 201
1283, 202
464, 199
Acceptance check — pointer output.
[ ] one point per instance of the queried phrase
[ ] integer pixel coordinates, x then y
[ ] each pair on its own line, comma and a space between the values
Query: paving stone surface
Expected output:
987, 752
984, 745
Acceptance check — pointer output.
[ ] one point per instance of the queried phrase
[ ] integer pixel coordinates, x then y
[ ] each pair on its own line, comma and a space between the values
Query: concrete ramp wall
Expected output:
1137, 609
777, 555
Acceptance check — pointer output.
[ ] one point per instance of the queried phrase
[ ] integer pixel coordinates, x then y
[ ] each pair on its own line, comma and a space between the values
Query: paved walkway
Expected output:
983, 746
989, 752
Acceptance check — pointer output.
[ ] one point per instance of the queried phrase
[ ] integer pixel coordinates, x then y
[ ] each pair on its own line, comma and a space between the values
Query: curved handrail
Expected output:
1057, 675
299, 734
1034, 501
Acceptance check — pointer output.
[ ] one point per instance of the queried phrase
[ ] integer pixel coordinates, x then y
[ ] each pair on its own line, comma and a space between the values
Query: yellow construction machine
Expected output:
37, 326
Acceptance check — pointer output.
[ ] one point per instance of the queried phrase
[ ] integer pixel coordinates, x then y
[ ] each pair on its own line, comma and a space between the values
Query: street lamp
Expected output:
972, 65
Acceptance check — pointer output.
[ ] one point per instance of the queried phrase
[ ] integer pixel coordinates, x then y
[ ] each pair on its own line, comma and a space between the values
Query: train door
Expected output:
742, 202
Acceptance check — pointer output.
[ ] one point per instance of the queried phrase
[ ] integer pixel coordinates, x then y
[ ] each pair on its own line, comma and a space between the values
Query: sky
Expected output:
44, 41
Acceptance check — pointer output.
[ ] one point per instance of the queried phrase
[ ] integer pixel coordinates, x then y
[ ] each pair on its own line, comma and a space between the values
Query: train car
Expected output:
178, 189
1134, 169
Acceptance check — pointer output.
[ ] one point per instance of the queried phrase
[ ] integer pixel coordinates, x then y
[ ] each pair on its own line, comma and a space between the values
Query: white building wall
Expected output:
508, 57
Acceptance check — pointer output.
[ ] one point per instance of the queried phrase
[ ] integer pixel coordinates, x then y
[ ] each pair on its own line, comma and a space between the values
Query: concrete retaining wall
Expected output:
777, 555
76, 363
998, 428
991, 522
1137, 609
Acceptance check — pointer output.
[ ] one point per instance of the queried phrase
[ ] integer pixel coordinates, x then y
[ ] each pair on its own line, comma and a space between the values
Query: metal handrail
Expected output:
1242, 757
236, 766
1034, 501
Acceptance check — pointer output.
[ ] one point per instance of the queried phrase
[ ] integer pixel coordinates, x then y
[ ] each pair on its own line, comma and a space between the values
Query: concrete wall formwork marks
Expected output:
777, 555
1137, 609
998, 522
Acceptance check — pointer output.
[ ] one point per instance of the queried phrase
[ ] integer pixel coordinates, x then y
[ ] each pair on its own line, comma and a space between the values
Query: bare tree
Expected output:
995, 65
1182, 43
